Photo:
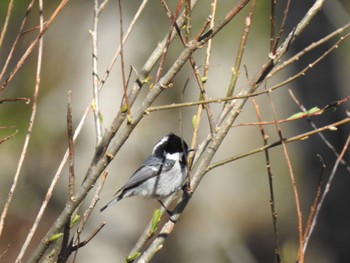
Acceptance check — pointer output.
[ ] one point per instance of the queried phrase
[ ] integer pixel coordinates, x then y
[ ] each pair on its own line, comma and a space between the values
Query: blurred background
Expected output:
229, 216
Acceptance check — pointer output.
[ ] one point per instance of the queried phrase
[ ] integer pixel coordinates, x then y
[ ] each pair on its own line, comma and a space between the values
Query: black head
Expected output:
170, 143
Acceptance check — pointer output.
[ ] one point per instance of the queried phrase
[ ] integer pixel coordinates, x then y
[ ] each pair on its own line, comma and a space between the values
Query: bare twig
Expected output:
313, 125
307, 49
76, 239
71, 184
218, 100
63, 243
299, 137
166, 46
188, 23
29, 130
293, 181
26, 100
196, 120
95, 78
83, 243
281, 30
34, 28
311, 65
316, 199
93, 203
241, 49
201, 80
5, 251
6, 139
282, 49
126, 35
33, 44
272, 23
324, 194
270, 176
14, 44
7, 19
313, 10
122, 58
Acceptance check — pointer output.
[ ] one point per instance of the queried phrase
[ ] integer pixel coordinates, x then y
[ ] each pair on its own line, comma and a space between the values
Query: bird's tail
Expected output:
112, 202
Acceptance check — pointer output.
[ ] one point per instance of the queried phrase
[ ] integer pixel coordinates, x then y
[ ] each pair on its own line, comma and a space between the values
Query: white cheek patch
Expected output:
174, 156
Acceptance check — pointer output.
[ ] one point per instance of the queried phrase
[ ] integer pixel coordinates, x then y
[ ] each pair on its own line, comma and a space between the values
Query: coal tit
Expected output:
162, 173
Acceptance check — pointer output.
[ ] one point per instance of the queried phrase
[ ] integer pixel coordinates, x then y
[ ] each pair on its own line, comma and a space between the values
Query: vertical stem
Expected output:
29, 131
95, 78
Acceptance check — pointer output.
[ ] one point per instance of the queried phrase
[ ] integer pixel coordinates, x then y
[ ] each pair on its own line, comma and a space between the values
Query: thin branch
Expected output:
299, 137
165, 50
324, 194
29, 130
5, 251
30, 48
200, 80
281, 30
14, 44
31, 29
188, 23
304, 22
316, 199
86, 241
201, 102
203, 95
311, 65
26, 100
272, 23
196, 120
74, 246
117, 52
71, 184
307, 49
241, 49
282, 49
210, 41
4, 140
220, 100
7, 19
313, 125
121, 37
93, 203
54, 181
236, 69
293, 181
95, 78
265, 137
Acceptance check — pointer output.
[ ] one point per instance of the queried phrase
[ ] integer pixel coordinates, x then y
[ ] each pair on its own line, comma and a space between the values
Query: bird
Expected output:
161, 174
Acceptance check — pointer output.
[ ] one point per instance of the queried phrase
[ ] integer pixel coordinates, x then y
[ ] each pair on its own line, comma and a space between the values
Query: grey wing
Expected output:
150, 168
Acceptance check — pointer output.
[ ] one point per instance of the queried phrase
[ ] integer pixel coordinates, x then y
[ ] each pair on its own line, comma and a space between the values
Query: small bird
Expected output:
161, 174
